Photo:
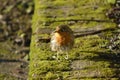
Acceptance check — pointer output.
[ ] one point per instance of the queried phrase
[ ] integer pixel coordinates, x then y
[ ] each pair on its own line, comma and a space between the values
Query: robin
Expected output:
62, 40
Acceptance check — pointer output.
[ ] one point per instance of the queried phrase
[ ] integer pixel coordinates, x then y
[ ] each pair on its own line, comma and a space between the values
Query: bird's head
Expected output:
63, 28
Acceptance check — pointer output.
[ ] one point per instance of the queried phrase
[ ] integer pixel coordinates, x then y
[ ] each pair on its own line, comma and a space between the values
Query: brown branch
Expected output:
76, 20
44, 40
78, 34
92, 32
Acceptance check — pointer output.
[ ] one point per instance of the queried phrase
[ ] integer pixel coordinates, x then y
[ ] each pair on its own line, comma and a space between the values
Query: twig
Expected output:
78, 34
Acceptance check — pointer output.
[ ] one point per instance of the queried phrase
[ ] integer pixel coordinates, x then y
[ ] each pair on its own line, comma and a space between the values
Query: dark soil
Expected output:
15, 35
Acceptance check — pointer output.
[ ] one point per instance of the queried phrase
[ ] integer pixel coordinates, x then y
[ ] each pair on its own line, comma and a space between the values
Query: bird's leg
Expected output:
57, 57
67, 56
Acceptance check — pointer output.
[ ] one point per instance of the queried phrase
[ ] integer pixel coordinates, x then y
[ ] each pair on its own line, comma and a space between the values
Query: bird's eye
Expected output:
62, 30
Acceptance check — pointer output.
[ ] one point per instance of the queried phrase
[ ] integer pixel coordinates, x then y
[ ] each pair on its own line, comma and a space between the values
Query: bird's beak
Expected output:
56, 31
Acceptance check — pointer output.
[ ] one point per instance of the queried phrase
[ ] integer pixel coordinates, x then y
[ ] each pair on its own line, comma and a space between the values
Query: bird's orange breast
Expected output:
63, 38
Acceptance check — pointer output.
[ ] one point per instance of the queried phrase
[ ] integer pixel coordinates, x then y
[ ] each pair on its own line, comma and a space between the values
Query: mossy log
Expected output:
89, 59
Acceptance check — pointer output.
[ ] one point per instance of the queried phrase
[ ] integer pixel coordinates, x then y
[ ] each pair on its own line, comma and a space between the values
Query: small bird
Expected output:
62, 40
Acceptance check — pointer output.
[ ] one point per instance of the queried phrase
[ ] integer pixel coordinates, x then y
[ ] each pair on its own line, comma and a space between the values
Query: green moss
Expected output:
89, 50
104, 72
111, 1
99, 79
6, 76
51, 76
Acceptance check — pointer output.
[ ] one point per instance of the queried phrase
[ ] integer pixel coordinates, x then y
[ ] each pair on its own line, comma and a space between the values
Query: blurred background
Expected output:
15, 35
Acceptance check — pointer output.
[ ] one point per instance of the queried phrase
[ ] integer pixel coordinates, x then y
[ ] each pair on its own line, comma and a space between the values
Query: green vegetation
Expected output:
15, 22
89, 59
4, 51
6, 76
